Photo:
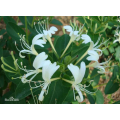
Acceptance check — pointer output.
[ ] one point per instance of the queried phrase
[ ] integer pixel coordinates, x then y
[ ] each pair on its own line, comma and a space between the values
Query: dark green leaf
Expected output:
56, 22
8, 19
99, 97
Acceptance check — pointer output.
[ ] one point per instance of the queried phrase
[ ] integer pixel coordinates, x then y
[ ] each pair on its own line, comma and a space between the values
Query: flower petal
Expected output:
40, 42
79, 92
39, 60
36, 38
53, 29
41, 96
68, 28
75, 71
86, 38
82, 71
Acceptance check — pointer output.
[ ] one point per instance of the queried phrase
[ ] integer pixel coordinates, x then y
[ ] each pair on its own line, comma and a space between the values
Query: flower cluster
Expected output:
41, 64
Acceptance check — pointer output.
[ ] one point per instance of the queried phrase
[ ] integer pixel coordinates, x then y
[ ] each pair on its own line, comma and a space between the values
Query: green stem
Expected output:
99, 85
33, 21
71, 82
82, 57
55, 79
50, 41
66, 48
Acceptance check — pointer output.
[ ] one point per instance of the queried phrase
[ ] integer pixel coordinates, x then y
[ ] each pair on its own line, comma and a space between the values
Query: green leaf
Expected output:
99, 97
1, 81
91, 99
61, 44
57, 93
112, 86
13, 30
56, 22
1, 52
8, 19
95, 76
23, 90
111, 49
117, 54
105, 52
117, 102
2, 31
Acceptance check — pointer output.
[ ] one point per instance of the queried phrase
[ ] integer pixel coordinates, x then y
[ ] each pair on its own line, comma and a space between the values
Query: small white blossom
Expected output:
37, 63
78, 77
117, 35
47, 72
29, 49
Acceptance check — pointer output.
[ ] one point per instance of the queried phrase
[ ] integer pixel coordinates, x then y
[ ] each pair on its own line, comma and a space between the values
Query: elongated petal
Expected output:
40, 42
93, 55
45, 70
79, 92
68, 28
53, 29
39, 60
48, 70
36, 38
82, 71
53, 69
24, 78
33, 51
76, 32
86, 38
24, 51
75, 71
115, 41
41, 96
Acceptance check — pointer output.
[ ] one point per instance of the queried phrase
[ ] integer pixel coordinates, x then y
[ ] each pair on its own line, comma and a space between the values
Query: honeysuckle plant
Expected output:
50, 69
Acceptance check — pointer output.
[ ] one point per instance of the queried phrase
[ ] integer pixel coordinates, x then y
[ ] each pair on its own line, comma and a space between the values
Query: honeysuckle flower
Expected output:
37, 63
47, 72
117, 35
74, 33
29, 49
78, 75
46, 32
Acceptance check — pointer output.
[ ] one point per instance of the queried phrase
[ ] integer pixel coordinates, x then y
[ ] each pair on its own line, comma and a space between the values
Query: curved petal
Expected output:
52, 69
93, 56
24, 51
75, 71
33, 51
79, 92
36, 38
76, 32
86, 38
53, 29
115, 41
48, 70
40, 42
82, 71
41, 96
45, 70
68, 28
39, 60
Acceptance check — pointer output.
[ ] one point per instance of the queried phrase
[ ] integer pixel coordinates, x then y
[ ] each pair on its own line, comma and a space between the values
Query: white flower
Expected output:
37, 63
48, 70
117, 35
29, 49
78, 77
46, 32
74, 34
